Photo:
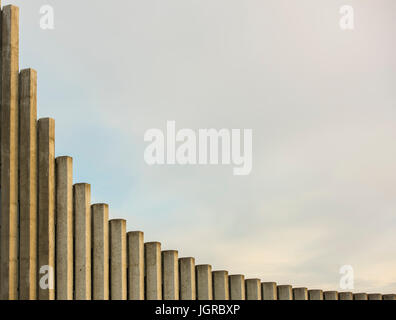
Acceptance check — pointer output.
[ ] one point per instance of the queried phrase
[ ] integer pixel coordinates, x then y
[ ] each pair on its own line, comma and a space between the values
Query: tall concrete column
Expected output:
187, 279
28, 185
237, 287
118, 263
269, 291
300, 294
82, 241
330, 295
389, 297
170, 275
285, 292
360, 296
64, 228
135, 265
375, 296
204, 282
100, 252
220, 285
152, 254
345, 296
253, 289
46, 209
9, 231
315, 294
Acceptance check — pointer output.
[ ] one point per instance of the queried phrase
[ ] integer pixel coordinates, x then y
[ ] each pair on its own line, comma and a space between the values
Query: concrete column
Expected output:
118, 263
100, 252
82, 241
345, 296
170, 275
28, 185
152, 254
375, 296
135, 265
330, 295
268, 291
285, 292
360, 296
315, 295
220, 285
187, 279
253, 289
204, 282
9, 231
64, 228
300, 294
237, 287
389, 297
46, 209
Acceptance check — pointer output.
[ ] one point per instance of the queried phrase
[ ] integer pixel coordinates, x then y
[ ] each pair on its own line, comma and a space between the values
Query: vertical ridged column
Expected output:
360, 296
236, 284
118, 263
187, 279
135, 265
389, 297
9, 231
300, 294
82, 241
170, 275
64, 228
269, 291
345, 296
46, 208
152, 264
315, 294
285, 292
220, 285
330, 295
375, 296
204, 282
28, 185
100, 251
253, 289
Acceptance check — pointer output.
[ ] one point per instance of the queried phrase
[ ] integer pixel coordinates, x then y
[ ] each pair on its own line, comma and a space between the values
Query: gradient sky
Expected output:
321, 102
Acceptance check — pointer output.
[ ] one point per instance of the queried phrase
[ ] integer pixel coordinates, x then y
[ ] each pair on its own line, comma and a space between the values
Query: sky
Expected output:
321, 102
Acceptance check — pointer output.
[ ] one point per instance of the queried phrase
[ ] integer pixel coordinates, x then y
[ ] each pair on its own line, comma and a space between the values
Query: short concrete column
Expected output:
300, 294
118, 259
237, 287
46, 208
135, 265
204, 282
28, 185
100, 252
220, 285
330, 295
315, 294
269, 291
360, 296
152, 253
345, 296
253, 289
170, 275
64, 228
389, 297
375, 296
82, 241
285, 292
187, 279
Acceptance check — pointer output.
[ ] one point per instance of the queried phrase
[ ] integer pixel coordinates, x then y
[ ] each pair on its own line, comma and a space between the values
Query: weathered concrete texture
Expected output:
330, 295
389, 297
187, 279
28, 184
269, 291
118, 260
300, 294
152, 261
315, 294
237, 287
64, 228
345, 296
360, 296
253, 289
46, 208
285, 292
220, 285
135, 243
100, 252
375, 296
170, 275
9, 155
204, 282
